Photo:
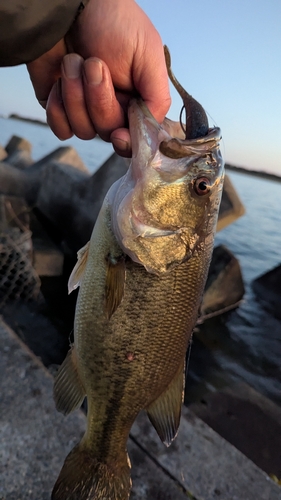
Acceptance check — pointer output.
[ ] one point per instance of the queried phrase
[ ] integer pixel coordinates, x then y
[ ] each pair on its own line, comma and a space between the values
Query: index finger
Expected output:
45, 71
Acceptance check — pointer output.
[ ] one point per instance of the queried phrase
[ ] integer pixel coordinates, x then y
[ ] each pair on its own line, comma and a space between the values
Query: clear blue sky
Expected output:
227, 54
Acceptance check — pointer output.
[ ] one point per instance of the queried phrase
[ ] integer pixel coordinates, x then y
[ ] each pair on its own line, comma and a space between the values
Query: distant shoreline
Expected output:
256, 173
232, 168
36, 121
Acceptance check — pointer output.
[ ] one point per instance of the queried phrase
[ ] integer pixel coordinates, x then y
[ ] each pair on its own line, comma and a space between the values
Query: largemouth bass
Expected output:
141, 279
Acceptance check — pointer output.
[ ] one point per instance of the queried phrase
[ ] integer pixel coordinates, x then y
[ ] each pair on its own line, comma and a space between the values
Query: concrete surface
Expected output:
248, 420
35, 440
34, 437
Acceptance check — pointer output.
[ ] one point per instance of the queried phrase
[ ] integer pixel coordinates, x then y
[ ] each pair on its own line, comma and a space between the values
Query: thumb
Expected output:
46, 70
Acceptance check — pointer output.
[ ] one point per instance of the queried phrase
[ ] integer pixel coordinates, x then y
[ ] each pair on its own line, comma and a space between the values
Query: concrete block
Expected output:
231, 207
48, 259
19, 159
268, 290
18, 143
71, 199
224, 288
12, 180
65, 154
3, 153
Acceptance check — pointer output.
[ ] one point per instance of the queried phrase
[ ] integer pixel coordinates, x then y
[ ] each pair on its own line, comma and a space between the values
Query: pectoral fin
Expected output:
165, 412
69, 392
79, 268
115, 283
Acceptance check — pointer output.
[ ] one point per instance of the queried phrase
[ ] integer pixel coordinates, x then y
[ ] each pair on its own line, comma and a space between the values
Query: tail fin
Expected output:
84, 478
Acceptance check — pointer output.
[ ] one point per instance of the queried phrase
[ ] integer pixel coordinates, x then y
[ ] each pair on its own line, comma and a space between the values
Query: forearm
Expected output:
29, 28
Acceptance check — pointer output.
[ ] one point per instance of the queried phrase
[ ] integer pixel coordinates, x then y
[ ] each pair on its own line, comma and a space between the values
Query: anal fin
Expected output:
165, 412
69, 392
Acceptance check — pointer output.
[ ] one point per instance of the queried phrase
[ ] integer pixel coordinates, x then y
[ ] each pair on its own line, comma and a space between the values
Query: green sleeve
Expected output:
29, 28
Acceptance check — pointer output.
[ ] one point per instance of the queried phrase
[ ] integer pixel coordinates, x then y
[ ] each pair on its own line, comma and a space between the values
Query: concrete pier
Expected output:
35, 440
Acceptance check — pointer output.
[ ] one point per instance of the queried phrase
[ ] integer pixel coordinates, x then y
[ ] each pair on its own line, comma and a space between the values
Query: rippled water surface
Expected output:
244, 344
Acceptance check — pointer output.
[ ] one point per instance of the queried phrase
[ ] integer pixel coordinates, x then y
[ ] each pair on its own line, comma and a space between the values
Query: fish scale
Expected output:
143, 329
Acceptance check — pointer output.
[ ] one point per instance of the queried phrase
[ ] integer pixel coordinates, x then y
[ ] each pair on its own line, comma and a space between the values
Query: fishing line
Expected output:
216, 125
188, 353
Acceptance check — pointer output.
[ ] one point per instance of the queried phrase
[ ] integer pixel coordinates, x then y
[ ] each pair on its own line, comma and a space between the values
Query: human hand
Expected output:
114, 53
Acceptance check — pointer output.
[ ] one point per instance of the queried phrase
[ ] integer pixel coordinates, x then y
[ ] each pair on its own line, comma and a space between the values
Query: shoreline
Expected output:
232, 168
35, 121
255, 173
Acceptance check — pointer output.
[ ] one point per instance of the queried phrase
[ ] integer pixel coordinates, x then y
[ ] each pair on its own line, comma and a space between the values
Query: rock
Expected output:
224, 288
268, 290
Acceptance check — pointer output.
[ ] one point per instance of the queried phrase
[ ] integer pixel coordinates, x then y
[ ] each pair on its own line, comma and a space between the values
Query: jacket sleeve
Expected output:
29, 28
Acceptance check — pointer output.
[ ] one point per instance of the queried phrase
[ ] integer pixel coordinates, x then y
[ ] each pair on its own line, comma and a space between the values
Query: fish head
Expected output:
165, 208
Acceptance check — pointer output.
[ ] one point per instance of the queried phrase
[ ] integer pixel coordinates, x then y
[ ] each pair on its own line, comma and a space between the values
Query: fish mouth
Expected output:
148, 136
146, 133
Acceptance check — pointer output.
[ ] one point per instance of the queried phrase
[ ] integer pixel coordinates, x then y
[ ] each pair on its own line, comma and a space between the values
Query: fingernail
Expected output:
121, 145
93, 71
72, 66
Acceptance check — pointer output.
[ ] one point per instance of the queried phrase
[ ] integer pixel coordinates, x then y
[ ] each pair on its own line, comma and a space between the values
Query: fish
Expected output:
141, 279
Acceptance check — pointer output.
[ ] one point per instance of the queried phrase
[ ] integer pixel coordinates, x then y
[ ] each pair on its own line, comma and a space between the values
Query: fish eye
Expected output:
202, 186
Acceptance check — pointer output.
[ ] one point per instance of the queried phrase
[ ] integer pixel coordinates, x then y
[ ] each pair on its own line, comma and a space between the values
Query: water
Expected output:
255, 238
244, 344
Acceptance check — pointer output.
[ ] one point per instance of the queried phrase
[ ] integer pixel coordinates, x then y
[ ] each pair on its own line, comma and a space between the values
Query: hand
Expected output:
113, 53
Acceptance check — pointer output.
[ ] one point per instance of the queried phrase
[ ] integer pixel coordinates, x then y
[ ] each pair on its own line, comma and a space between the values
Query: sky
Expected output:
227, 54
